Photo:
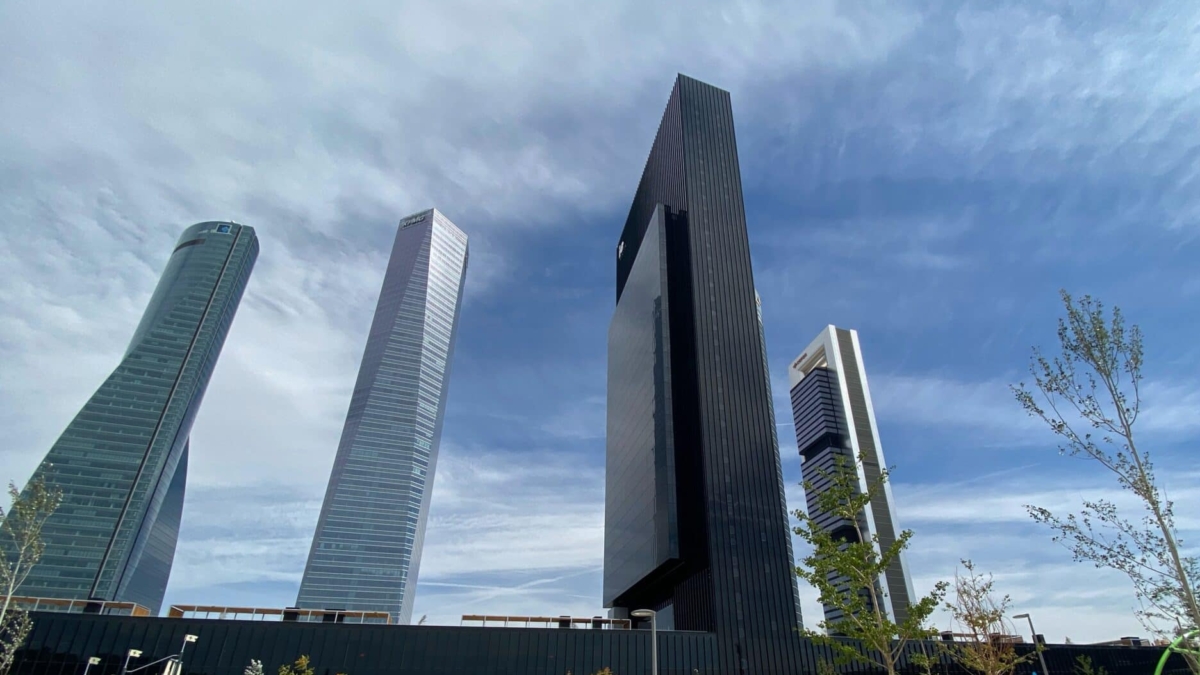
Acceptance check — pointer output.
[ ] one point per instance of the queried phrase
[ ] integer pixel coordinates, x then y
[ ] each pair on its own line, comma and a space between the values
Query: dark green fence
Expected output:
61, 644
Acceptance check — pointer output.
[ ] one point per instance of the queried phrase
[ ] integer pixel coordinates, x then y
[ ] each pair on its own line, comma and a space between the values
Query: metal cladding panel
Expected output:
762, 340
817, 412
693, 169
752, 573
118, 462
897, 589
60, 644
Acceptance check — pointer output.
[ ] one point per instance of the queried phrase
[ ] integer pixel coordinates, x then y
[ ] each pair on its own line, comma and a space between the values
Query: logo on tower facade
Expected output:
413, 220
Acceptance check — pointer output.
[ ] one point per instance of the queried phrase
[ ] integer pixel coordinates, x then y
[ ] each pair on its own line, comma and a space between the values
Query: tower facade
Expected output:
122, 462
762, 338
835, 423
366, 552
694, 525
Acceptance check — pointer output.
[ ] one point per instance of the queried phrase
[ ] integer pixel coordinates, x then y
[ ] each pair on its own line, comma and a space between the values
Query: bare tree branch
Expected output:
1096, 380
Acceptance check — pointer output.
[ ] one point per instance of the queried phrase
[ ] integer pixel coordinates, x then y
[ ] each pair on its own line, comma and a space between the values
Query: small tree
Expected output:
862, 561
300, 667
1083, 666
255, 668
1090, 396
981, 616
22, 548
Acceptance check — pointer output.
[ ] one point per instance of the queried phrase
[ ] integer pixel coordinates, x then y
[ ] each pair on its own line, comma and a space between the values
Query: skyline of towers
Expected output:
366, 550
827, 381
122, 461
689, 426
693, 478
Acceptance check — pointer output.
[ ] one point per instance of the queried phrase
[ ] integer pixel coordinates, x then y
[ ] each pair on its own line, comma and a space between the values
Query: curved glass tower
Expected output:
122, 462
366, 550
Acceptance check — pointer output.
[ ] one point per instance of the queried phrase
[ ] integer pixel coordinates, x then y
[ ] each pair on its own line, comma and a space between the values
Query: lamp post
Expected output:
92, 661
1033, 633
131, 654
186, 639
650, 614
176, 665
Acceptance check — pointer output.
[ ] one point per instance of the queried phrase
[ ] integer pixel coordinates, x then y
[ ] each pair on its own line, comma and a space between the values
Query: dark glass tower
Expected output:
694, 526
366, 552
122, 462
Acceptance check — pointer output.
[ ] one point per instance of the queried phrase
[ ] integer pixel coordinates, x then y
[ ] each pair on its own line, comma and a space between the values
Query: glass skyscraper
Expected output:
762, 339
122, 462
695, 522
835, 424
366, 552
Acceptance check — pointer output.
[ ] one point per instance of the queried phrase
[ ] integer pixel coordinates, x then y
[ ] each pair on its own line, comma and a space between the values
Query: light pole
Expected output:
176, 665
650, 614
92, 661
1036, 646
186, 639
131, 654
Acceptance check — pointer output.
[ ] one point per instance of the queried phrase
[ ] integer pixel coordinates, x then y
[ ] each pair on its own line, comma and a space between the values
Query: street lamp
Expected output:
176, 660
186, 639
92, 661
650, 614
131, 654
1036, 647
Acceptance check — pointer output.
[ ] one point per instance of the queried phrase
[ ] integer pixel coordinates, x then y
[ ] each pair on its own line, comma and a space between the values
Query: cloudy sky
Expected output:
927, 173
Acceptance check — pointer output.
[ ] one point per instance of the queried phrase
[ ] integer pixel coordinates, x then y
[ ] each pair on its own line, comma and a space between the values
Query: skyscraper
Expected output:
122, 462
835, 419
366, 552
694, 525
762, 339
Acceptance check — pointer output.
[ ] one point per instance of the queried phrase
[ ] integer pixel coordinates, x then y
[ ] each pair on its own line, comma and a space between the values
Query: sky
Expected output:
929, 174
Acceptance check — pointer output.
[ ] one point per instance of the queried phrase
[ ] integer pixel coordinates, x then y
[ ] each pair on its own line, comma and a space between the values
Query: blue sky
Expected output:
926, 173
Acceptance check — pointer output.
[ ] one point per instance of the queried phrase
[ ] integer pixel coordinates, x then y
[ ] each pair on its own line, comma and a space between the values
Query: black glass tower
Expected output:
122, 462
694, 524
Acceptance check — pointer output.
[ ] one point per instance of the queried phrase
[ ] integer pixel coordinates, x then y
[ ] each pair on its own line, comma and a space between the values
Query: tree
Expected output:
862, 561
981, 616
255, 668
1090, 396
22, 547
1083, 666
300, 667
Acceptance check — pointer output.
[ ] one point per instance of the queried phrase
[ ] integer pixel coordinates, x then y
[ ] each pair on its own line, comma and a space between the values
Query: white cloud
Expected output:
988, 408
491, 513
1170, 408
507, 534
947, 402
